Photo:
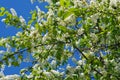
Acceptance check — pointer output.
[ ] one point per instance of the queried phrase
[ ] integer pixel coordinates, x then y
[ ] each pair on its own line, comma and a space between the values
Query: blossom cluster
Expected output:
54, 37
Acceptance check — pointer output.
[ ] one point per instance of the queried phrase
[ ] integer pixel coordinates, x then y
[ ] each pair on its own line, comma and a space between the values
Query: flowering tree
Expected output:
89, 27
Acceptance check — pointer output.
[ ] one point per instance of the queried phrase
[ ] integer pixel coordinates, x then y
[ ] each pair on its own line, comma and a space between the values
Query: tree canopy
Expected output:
90, 28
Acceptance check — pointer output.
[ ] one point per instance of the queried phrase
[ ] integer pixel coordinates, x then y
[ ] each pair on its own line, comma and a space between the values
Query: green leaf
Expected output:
15, 63
62, 28
2, 11
62, 2
2, 8
65, 3
34, 15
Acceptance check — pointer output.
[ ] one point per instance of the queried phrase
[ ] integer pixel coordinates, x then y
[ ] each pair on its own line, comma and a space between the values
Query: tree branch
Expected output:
87, 59
23, 50
81, 52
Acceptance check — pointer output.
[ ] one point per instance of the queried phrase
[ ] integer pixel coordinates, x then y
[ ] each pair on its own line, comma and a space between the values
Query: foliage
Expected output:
90, 27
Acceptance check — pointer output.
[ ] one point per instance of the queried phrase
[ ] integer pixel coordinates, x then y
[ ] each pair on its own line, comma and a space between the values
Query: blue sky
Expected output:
22, 7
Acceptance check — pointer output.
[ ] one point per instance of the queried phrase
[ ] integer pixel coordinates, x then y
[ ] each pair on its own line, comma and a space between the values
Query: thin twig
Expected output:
81, 52
87, 59
23, 50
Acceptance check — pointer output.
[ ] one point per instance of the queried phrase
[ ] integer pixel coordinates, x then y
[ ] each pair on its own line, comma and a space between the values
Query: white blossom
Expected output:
44, 37
74, 59
80, 31
118, 17
78, 42
104, 72
48, 46
80, 62
2, 51
66, 21
78, 67
13, 12
38, 9
12, 77
8, 47
49, 57
3, 19
60, 38
94, 17
2, 67
30, 76
112, 61
82, 74
70, 20
48, 74
94, 72
61, 69
72, 49
22, 20
62, 23
114, 2
3, 40
77, 3
69, 67
117, 67
67, 46
106, 61
19, 34
55, 72
32, 1
92, 1
93, 37
35, 66
65, 35
49, 1
32, 28
103, 1
34, 34
53, 63
57, 3
39, 15
50, 14
1, 74
58, 18
91, 53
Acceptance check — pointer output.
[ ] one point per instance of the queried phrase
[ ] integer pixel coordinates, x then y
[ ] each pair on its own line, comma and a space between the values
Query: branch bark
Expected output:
87, 59
23, 50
